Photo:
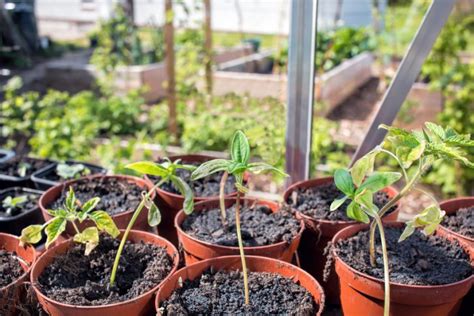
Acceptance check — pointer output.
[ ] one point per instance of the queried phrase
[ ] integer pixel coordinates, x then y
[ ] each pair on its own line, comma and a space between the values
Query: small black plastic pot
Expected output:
9, 181
14, 224
6, 155
41, 181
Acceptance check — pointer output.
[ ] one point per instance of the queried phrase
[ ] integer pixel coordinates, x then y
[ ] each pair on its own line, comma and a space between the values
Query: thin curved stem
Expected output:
75, 227
241, 249
386, 272
137, 212
222, 196
405, 175
428, 195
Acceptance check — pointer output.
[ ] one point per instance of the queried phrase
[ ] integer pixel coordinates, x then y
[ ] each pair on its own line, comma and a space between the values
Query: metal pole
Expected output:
302, 47
433, 21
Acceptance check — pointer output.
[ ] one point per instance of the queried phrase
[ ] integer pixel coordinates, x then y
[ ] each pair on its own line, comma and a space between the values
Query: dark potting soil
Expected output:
221, 293
13, 166
419, 260
76, 279
10, 268
461, 222
205, 187
116, 196
259, 226
30, 203
315, 202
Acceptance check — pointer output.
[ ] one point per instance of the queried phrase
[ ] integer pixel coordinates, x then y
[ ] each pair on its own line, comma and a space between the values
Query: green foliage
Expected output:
119, 44
73, 211
167, 172
73, 171
10, 203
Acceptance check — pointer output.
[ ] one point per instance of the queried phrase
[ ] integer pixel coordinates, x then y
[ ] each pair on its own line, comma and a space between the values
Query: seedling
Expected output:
73, 171
414, 152
23, 167
73, 212
167, 172
237, 166
10, 203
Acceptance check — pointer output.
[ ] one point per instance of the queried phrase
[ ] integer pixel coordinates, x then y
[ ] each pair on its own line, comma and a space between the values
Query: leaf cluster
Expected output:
74, 171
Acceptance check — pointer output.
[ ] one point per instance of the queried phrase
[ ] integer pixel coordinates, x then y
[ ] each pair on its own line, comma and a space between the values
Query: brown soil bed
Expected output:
10, 268
461, 222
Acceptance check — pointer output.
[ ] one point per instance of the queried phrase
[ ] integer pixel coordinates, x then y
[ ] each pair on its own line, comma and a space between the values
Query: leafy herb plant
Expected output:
237, 166
10, 203
167, 172
73, 171
73, 212
414, 152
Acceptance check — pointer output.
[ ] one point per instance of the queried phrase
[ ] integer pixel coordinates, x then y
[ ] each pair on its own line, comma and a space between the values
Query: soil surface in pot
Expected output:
461, 222
219, 293
13, 209
259, 226
22, 166
10, 268
116, 196
76, 279
419, 260
205, 187
315, 202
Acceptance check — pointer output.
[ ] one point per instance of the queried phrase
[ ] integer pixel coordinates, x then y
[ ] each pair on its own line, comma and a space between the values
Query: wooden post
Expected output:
170, 69
208, 45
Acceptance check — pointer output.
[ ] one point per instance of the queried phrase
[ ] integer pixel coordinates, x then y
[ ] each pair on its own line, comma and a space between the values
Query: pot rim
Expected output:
299, 184
24, 276
469, 199
34, 282
380, 281
62, 185
281, 263
234, 248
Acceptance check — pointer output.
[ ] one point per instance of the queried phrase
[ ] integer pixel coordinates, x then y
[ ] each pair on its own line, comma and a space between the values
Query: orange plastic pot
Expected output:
451, 207
140, 305
13, 293
170, 203
362, 294
319, 233
196, 250
254, 264
121, 220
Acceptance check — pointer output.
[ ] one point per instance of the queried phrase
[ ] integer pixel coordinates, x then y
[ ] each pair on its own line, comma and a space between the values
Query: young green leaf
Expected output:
362, 167
70, 200
104, 222
407, 232
186, 191
355, 212
379, 180
54, 229
148, 167
343, 181
89, 237
240, 148
259, 167
429, 220
89, 206
14, 201
337, 203
210, 167
366, 200
436, 130
154, 215
31, 234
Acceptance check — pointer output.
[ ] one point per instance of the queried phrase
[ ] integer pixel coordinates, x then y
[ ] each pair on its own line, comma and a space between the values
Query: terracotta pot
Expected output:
197, 250
362, 294
170, 203
319, 233
140, 305
254, 264
121, 220
451, 207
14, 292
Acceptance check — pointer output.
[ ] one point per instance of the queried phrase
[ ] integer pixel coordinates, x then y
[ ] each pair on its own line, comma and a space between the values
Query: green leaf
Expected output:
104, 222
236, 167
148, 167
210, 167
259, 167
89, 237
407, 232
436, 130
154, 215
343, 181
379, 180
54, 229
88, 207
183, 187
355, 212
337, 203
362, 167
70, 200
429, 219
240, 148
31, 234
366, 199
444, 151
